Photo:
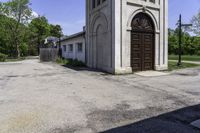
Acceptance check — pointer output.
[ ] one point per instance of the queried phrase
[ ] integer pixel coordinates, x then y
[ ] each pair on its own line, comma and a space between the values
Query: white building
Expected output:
73, 47
124, 36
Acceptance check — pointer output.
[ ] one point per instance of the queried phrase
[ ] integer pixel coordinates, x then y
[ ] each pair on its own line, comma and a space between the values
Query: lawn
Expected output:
173, 65
185, 57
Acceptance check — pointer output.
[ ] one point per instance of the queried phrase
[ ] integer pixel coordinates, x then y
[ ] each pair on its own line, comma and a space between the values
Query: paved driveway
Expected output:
47, 98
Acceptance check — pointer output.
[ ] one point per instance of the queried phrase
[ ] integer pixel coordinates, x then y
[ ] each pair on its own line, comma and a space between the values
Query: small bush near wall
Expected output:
76, 63
3, 57
71, 62
62, 61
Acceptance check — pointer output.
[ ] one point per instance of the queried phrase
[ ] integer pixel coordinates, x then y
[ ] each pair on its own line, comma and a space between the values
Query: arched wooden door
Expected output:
142, 43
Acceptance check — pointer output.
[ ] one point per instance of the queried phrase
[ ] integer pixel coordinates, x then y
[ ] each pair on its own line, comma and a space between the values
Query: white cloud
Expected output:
35, 14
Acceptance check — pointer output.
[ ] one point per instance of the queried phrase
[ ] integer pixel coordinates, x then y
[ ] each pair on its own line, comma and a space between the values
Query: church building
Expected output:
125, 36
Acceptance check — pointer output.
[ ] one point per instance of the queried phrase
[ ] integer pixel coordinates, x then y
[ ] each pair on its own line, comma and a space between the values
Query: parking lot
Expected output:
47, 98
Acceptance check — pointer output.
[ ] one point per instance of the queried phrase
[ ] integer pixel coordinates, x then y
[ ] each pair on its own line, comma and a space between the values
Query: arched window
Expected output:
96, 3
93, 4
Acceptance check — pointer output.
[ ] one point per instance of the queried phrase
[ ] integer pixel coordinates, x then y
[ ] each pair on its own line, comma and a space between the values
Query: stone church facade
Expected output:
124, 36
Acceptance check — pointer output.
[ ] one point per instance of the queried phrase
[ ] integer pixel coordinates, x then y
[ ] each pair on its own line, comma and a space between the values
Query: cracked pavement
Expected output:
47, 98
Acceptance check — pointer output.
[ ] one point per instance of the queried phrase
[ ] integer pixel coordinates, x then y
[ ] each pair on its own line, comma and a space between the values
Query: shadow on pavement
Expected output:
87, 69
173, 122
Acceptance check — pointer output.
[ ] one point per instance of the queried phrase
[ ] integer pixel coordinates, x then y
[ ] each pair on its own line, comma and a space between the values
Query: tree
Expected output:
56, 31
190, 45
40, 29
20, 11
196, 44
20, 33
173, 41
196, 24
6, 45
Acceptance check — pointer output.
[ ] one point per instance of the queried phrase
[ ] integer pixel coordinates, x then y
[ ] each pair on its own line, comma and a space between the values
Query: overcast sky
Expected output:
70, 14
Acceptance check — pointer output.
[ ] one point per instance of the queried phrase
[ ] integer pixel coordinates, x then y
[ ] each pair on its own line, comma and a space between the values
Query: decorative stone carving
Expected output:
142, 22
144, 8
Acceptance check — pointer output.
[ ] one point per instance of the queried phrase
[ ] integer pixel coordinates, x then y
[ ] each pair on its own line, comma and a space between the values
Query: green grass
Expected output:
70, 62
62, 61
185, 57
173, 66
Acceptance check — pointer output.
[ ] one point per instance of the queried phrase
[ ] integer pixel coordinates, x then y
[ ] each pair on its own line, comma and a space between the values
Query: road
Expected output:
47, 98
192, 62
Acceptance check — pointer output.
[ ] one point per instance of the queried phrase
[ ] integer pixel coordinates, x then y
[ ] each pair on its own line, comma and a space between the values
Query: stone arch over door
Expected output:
100, 46
147, 12
142, 43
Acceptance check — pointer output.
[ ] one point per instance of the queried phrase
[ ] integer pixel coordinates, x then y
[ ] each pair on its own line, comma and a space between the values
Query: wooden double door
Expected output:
142, 43
142, 51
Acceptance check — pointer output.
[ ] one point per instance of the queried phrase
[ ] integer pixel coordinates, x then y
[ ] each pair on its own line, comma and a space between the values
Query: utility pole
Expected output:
180, 39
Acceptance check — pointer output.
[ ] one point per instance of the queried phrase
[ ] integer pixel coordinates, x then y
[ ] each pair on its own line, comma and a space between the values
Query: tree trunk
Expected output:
18, 51
17, 46
38, 46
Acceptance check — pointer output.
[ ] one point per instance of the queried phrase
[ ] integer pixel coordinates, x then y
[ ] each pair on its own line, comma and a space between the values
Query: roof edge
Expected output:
79, 34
